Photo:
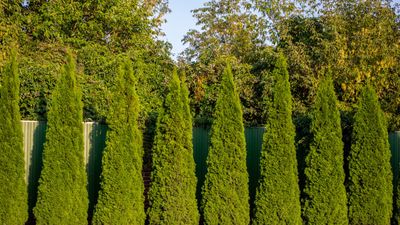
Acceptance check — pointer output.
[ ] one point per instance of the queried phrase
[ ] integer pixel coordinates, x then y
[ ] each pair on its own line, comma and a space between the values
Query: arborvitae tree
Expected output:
62, 193
121, 199
172, 192
370, 182
225, 191
190, 165
325, 193
278, 195
13, 191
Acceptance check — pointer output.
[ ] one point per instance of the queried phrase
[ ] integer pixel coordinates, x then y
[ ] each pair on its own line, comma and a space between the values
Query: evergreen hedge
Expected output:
121, 199
62, 194
225, 191
13, 191
370, 181
172, 194
325, 193
278, 195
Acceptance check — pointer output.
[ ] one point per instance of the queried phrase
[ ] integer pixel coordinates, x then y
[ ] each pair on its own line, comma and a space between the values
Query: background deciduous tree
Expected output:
358, 39
229, 31
98, 31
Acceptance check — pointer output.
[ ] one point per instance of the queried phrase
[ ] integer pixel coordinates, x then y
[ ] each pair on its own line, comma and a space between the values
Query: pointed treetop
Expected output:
227, 86
281, 62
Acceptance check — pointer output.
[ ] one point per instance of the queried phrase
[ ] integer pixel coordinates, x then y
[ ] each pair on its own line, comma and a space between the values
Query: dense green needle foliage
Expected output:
278, 194
121, 199
98, 32
370, 198
13, 191
225, 191
190, 167
172, 192
62, 195
325, 193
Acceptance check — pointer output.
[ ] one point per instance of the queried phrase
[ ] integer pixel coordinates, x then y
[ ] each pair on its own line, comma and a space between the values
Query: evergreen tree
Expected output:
278, 194
62, 193
187, 141
325, 193
172, 192
370, 182
121, 199
13, 191
225, 191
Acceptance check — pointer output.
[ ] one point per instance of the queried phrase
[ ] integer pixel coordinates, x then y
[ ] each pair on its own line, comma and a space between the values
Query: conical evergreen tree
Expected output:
190, 165
325, 193
225, 191
121, 199
62, 195
370, 181
172, 192
13, 191
278, 195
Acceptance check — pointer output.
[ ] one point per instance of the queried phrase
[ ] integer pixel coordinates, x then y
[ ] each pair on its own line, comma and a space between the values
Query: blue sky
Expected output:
180, 21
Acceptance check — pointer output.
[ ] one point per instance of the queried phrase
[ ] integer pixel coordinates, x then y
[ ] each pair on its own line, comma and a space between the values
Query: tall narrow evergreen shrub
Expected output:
62, 194
13, 190
172, 194
370, 182
188, 157
325, 193
278, 195
121, 199
225, 191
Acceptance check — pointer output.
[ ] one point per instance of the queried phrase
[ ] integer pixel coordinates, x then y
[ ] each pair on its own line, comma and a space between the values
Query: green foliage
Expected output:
10, 23
228, 28
98, 32
370, 181
172, 192
278, 194
230, 31
192, 211
62, 194
39, 71
99, 64
225, 191
358, 38
203, 80
120, 25
96, 66
121, 199
325, 194
13, 192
